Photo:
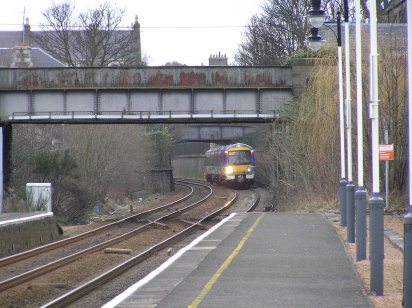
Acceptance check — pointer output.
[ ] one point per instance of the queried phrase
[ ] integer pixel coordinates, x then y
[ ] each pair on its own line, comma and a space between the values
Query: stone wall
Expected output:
392, 36
301, 70
29, 234
189, 167
160, 181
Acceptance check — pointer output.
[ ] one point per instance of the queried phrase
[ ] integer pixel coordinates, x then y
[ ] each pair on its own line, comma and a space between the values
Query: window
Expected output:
240, 158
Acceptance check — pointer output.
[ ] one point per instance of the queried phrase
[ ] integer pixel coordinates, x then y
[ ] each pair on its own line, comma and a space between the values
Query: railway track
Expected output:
52, 246
248, 199
181, 221
134, 226
158, 218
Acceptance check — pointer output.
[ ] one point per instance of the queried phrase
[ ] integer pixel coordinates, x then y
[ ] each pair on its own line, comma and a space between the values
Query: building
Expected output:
16, 51
22, 48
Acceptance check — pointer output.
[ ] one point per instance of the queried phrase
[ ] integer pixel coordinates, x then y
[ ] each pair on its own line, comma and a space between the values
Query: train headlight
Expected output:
229, 170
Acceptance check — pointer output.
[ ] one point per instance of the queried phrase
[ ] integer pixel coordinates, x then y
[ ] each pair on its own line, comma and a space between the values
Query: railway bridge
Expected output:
202, 94
142, 95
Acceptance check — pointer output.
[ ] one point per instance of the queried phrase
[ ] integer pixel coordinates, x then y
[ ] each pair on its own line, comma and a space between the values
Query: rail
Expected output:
36, 272
35, 251
87, 287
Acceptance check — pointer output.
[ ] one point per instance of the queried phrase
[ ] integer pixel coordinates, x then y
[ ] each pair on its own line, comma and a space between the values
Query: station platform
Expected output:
255, 260
16, 218
21, 231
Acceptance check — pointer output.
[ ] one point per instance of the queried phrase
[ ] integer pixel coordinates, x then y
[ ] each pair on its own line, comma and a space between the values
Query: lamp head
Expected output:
316, 15
314, 40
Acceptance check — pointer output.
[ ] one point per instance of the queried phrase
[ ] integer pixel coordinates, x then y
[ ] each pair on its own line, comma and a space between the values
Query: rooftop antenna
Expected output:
24, 15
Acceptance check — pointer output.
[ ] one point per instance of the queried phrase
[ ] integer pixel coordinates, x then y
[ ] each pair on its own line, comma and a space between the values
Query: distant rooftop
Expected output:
39, 58
218, 60
10, 39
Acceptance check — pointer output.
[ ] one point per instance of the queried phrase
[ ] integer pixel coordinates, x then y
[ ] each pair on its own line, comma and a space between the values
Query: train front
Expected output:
240, 165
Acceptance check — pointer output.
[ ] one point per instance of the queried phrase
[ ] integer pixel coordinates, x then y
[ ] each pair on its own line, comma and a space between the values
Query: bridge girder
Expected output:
145, 94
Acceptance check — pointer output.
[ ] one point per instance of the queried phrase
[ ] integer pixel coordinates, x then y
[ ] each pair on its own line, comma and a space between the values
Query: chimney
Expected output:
27, 32
22, 51
22, 56
218, 60
136, 29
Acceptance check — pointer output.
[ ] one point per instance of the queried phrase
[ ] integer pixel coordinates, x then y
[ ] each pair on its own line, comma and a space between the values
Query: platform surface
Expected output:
13, 218
255, 260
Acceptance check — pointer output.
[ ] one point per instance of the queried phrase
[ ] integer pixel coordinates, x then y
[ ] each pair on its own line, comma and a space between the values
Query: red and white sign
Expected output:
386, 152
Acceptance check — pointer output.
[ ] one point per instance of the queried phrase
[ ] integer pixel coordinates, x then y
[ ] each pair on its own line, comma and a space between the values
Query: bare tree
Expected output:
274, 34
174, 63
381, 6
281, 29
57, 37
28, 141
93, 38
111, 158
393, 87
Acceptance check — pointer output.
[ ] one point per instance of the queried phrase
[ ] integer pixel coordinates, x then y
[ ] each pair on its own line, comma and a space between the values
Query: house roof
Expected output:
9, 39
127, 49
39, 58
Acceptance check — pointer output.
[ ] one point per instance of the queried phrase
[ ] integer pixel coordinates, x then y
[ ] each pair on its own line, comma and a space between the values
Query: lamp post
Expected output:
350, 188
376, 203
343, 182
407, 255
314, 43
360, 194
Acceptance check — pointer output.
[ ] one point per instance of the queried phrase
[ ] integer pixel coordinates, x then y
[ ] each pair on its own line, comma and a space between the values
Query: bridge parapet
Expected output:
147, 77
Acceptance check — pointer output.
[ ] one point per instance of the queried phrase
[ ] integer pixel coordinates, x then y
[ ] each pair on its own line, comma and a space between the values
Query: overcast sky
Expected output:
186, 31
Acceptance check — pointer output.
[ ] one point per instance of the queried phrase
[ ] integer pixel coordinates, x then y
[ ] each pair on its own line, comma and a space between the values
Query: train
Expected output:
233, 164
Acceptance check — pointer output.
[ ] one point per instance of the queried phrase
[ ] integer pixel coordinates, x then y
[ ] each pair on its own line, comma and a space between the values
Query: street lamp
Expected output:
350, 188
314, 40
407, 256
376, 204
316, 15
360, 194
314, 43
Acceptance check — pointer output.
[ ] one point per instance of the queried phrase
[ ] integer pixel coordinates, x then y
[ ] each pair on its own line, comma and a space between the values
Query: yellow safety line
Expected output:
206, 289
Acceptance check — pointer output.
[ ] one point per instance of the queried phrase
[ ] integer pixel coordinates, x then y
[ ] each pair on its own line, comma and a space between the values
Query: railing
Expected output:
146, 115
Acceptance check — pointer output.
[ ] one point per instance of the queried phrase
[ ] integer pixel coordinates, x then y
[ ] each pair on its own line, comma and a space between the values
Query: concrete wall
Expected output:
25, 235
212, 133
189, 166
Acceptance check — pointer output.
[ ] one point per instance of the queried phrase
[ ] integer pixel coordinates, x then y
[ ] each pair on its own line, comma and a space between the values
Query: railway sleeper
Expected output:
200, 226
159, 225
42, 285
118, 251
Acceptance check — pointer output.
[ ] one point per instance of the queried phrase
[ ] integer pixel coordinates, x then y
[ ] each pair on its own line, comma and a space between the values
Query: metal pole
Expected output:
343, 182
386, 137
376, 203
407, 254
1, 168
350, 188
360, 194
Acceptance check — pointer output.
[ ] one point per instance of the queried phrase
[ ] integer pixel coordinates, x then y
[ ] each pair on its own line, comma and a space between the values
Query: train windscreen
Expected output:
240, 158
